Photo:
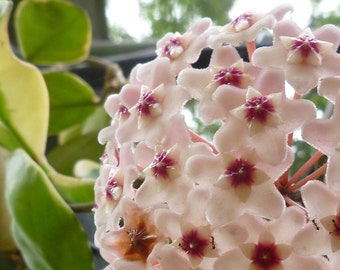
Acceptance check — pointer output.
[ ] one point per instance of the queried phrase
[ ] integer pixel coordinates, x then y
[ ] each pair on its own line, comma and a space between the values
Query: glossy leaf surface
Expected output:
23, 97
52, 32
45, 228
72, 100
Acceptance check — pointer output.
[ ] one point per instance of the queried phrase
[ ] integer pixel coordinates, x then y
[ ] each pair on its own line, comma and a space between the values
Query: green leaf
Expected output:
7, 139
44, 227
73, 190
52, 31
6, 238
72, 100
82, 147
23, 97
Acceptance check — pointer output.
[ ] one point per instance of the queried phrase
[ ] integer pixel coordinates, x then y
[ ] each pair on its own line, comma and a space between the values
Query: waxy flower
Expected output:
324, 134
329, 87
227, 75
263, 122
304, 56
184, 49
169, 198
130, 235
269, 246
323, 206
245, 27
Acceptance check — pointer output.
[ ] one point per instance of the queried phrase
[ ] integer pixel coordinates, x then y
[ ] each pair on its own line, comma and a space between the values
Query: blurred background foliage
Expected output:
176, 15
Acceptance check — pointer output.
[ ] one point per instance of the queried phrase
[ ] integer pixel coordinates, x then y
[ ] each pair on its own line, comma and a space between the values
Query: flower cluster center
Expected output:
162, 165
258, 108
145, 104
241, 172
242, 22
112, 190
266, 256
306, 45
193, 244
173, 48
231, 76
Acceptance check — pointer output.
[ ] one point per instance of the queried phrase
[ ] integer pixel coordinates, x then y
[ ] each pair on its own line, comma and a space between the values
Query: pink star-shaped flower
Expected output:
329, 87
226, 77
192, 240
269, 246
245, 27
130, 234
143, 110
324, 134
238, 181
323, 206
184, 49
304, 56
263, 122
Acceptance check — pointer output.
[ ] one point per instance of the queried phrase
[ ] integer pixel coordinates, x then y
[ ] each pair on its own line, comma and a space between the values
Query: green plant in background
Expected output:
170, 16
39, 189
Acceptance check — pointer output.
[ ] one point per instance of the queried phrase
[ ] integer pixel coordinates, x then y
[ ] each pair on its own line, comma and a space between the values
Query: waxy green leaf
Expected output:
45, 228
72, 100
23, 97
52, 31
73, 190
82, 147
6, 238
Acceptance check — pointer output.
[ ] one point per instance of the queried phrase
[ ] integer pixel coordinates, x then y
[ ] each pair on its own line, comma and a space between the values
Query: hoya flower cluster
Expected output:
166, 198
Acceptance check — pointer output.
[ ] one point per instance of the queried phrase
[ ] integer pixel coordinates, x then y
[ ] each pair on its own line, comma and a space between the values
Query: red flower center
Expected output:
162, 165
266, 256
145, 103
141, 242
258, 108
193, 244
172, 47
123, 112
230, 76
242, 22
111, 189
305, 44
241, 172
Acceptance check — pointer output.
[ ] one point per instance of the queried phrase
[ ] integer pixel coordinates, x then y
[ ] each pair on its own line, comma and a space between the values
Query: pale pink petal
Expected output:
293, 218
329, 87
265, 200
232, 260
230, 235
197, 201
194, 80
319, 199
302, 77
196, 168
329, 33
333, 172
312, 239
310, 263
224, 207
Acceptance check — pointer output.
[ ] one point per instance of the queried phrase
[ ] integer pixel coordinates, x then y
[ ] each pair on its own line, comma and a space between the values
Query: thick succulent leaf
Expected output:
73, 190
44, 227
52, 31
82, 147
6, 238
72, 100
7, 139
23, 97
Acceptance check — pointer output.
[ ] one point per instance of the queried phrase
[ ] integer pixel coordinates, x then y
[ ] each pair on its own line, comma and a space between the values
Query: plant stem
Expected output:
314, 175
251, 47
197, 138
317, 155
